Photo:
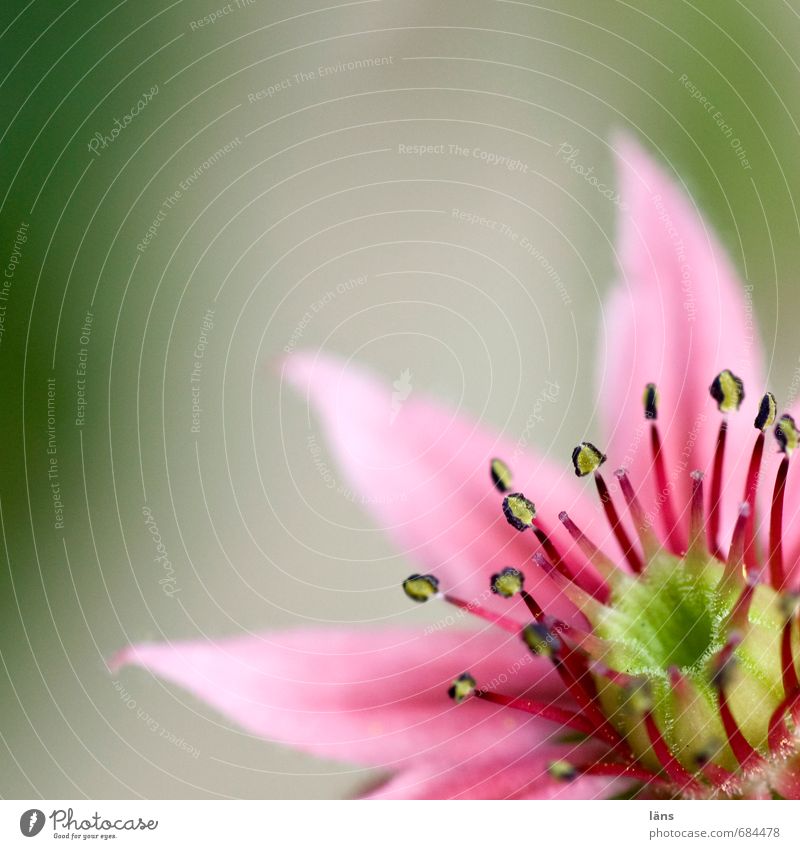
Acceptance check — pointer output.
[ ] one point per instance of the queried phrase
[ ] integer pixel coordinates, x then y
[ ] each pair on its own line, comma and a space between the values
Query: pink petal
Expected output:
377, 698
677, 317
492, 778
425, 477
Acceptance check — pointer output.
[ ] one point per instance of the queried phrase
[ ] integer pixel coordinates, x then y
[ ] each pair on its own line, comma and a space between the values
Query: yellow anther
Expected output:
587, 458
728, 391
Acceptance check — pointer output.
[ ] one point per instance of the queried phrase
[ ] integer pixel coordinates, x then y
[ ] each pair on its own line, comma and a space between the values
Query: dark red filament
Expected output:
751, 486
672, 766
671, 529
776, 572
534, 707
716, 489
631, 555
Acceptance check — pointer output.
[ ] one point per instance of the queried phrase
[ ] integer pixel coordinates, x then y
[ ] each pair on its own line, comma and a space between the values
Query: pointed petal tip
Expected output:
331, 381
121, 658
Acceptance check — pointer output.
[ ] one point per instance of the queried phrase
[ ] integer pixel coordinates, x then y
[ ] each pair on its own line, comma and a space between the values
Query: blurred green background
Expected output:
168, 184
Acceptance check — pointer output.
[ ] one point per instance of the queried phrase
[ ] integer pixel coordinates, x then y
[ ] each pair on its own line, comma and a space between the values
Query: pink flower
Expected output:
642, 643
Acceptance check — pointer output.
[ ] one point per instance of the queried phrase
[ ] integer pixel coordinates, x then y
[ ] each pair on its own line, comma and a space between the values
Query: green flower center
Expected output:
670, 616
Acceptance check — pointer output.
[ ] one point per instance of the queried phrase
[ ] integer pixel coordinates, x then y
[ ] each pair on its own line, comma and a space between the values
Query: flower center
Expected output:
670, 616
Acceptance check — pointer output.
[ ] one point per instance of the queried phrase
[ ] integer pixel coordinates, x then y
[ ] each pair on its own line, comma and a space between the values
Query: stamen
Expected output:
791, 685
728, 391
579, 597
462, 687
631, 555
664, 493
739, 617
476, 609
501, 475
604, 564
644, 530
519, 511
780, 738
650, 401
421, 588
541, 640
788, 436
697, 526
734, 573
583, 579
532, 605
639, 702
621, 770
775, 558
594, 647
574, 678
567, 718
620, 679
587, 458
741, 748
507, 582
767, 411
764, 419
672, 766
716, 490
686, 698
562, 771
